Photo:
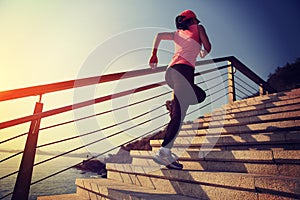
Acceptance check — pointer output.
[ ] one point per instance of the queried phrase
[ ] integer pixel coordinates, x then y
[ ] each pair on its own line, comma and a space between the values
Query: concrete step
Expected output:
255, 156
250, 117
291, 170
279, 162
265, 156
111, 189
253, 105
244, 141
253, 138
248, 110
63, 197
260, 146
207, 185
284, 97
221, 128
269, 107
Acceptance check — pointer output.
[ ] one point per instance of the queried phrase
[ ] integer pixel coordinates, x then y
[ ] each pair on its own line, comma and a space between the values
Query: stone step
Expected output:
221, 128
250, 117
287, 140
255, 156
207, 185
285, 97
250, 105
271, 107
248, 110
286, 163
292, 170
280, 136
261, 146
111, 189
63, 197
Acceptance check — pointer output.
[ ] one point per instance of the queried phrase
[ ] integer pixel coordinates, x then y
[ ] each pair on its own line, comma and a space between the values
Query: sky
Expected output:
52, 40
47, 41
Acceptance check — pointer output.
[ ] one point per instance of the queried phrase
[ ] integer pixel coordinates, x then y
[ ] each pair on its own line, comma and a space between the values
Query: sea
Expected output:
63, 183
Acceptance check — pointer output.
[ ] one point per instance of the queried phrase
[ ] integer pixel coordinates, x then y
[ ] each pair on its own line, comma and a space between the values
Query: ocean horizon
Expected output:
63, 183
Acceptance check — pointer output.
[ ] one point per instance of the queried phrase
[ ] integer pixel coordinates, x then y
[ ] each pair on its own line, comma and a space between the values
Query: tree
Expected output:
286, 77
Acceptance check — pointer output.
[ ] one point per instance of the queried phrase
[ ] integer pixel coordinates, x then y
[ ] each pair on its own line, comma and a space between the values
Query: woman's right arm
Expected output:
205, 41
159, 37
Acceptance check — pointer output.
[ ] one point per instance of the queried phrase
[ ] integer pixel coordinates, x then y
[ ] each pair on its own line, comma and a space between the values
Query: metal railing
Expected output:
220, 71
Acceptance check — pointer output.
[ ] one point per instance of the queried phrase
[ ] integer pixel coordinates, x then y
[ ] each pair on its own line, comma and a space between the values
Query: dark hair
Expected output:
183, 24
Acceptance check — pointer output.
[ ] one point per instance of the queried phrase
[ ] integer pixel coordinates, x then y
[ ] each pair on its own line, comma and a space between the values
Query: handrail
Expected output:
65, 85
75, 106
54, 87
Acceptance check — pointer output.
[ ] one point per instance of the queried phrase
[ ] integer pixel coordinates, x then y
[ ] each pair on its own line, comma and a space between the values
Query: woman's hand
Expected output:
203, 53
153, 61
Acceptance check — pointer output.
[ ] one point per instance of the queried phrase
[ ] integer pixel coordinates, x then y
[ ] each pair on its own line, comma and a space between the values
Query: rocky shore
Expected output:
122, 156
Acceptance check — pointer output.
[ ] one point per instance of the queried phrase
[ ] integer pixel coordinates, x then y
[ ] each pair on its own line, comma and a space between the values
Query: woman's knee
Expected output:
201, 96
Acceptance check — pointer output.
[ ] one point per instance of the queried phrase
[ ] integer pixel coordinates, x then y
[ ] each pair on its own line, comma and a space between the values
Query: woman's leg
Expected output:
164, 155
177, 117
179, 83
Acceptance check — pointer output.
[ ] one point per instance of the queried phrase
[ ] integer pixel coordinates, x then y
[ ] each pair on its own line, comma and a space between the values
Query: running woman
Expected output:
190, 39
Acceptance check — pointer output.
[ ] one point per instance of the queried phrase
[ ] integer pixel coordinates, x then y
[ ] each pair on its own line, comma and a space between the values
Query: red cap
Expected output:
188, 14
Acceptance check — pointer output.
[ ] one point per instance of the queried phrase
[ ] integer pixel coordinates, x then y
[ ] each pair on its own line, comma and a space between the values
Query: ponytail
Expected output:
183, 24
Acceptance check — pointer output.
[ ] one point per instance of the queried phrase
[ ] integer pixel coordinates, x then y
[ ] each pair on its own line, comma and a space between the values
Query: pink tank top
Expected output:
187, 46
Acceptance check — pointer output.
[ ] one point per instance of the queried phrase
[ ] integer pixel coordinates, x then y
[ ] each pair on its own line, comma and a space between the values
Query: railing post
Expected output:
22, 185
231, 86
262, 90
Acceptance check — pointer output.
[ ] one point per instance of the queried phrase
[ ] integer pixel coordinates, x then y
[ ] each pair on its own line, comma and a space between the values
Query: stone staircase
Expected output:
246, 150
